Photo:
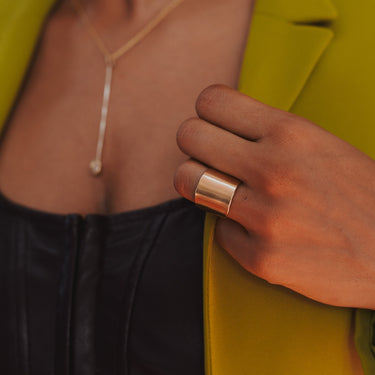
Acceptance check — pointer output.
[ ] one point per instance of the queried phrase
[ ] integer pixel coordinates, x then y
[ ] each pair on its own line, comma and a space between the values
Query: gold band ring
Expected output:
215, 191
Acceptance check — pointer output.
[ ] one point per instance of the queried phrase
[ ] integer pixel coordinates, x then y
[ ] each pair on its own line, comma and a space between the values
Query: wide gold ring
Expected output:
215, 191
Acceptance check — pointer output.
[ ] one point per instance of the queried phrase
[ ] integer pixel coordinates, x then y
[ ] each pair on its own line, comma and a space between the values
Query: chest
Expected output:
52, 135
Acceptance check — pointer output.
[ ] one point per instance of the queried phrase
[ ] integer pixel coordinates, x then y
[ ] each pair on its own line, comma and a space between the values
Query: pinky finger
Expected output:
246, 250
235, 239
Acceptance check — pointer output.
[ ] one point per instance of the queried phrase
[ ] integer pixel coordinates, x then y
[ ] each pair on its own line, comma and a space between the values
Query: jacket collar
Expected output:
286, 40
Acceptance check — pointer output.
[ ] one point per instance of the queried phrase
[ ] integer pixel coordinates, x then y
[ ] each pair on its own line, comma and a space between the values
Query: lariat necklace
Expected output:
110, 58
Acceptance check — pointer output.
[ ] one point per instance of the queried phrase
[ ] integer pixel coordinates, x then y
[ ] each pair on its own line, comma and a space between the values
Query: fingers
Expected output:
187, 176
223, 139
245, 207
218, 148
236, 240
245, 248
238, 113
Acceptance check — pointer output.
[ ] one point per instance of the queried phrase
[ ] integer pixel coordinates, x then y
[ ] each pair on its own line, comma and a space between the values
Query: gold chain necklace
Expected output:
110, 59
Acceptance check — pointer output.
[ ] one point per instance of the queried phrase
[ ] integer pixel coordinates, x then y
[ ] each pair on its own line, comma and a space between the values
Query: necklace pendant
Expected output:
95, 167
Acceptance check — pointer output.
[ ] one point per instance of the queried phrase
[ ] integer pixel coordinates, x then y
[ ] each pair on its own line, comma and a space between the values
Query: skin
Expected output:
303, 215
53, 132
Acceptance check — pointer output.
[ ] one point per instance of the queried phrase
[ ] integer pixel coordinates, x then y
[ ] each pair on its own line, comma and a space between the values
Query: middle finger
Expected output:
218, 148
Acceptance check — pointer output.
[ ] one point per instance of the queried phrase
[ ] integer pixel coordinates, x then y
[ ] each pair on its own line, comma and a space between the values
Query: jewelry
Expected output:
110, 59
215, 191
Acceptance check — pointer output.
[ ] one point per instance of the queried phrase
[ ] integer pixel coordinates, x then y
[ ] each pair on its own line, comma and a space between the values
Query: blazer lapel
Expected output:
20, 24
283, 49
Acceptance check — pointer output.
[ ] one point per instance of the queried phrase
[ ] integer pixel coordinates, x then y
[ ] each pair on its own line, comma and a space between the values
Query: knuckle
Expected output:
268, 229
275, 185
290, 136
207, 97
290, 132
278, 180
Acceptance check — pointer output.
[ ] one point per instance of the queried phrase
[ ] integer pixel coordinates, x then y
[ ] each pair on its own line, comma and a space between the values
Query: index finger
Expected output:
240, 114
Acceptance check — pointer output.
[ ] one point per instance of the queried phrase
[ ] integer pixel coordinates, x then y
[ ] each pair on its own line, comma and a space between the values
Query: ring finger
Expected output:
245, 204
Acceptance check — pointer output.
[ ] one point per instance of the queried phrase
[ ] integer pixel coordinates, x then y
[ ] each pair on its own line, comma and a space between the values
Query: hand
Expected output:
304, 215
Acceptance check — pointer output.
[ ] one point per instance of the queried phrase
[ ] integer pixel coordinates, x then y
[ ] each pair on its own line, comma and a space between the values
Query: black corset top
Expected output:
101, 295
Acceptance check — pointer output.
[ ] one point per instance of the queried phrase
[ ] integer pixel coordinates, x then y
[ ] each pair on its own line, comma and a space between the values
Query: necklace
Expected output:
110, 58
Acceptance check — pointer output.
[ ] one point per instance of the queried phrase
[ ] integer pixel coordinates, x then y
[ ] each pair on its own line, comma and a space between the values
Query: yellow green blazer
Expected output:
312, 57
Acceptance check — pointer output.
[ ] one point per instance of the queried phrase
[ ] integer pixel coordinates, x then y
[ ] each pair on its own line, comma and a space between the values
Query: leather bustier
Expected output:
110, 295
